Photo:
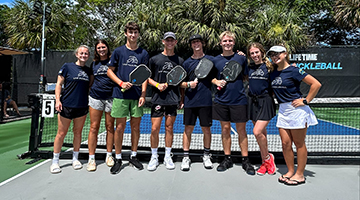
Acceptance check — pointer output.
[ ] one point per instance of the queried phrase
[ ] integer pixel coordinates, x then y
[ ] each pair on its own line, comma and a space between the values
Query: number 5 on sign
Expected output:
48, 108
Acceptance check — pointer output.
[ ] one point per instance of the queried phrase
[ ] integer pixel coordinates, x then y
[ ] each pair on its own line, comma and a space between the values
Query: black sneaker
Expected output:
246, 165
136, 163
116, 167
224, 165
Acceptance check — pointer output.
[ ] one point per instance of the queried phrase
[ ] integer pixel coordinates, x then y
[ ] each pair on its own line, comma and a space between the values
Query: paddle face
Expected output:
139, 75
231, 71
203, 68
176, 75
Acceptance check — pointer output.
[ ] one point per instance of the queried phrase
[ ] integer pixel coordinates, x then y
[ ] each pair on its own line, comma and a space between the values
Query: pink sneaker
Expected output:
270, 165
262, 170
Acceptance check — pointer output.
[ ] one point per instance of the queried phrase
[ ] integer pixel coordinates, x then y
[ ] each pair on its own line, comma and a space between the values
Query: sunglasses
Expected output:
273, 54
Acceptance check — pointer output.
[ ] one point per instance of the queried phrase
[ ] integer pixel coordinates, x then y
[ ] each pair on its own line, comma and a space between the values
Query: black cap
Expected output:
194, 37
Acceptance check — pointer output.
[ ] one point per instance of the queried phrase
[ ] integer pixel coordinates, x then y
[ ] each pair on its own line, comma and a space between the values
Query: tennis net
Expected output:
338, 130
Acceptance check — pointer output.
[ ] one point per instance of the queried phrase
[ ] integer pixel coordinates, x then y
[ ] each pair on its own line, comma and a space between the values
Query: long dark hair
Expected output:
96, 55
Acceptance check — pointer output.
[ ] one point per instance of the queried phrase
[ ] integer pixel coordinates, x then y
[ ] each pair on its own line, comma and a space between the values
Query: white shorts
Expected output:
103, 105
290, 117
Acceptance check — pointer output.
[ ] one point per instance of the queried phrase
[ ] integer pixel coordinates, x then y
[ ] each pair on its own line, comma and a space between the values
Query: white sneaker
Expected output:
168, 162
55, 168
207, 161
109, 161
185, 164
77, 165
91, 166
153, 164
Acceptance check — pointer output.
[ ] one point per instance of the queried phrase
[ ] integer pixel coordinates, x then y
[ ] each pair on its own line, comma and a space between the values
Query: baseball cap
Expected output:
169, 34
276, 49
194, 37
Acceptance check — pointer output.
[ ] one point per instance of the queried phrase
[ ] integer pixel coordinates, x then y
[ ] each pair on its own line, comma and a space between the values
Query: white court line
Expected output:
234, 131
24, 172
338, 124
27, 171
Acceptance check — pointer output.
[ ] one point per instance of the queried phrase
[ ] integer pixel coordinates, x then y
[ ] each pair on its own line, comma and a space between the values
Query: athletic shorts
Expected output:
8, 102
103, 105
261, 108
160, 111
230, 113
204, 114
290, 117
72, 113
124, 107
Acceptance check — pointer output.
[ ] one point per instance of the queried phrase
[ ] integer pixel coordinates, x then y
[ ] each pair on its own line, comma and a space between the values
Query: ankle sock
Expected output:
75, 156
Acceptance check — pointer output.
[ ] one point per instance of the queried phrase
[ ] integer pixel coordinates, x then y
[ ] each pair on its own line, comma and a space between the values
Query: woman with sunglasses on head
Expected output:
72, 105
294, 116
100, 100
261, 104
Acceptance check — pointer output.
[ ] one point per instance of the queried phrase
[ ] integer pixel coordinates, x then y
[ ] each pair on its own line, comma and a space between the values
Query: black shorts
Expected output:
232, 113
204, 114
261, 108
72, 113
160, 111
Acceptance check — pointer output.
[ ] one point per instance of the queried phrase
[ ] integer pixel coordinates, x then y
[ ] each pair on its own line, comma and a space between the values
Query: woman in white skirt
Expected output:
295, 116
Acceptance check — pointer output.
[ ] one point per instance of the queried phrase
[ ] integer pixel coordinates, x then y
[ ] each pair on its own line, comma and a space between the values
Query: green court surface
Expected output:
344, 116
14, 140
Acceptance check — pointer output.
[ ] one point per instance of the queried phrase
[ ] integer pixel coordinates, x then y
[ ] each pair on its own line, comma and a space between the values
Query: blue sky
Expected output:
7, 2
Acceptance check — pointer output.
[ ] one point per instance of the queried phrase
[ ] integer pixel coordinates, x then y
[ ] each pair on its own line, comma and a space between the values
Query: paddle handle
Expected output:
218, 88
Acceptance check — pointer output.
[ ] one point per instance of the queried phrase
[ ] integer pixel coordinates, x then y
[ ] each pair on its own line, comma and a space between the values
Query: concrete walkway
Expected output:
331, 182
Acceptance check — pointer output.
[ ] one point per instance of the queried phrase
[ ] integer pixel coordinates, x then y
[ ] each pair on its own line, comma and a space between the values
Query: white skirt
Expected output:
290, 117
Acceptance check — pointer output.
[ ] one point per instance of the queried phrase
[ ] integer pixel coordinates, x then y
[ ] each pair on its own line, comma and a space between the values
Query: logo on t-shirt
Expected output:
276, 83
82, 76
301, 71
166, 67
102, 70
258, 72
132, 60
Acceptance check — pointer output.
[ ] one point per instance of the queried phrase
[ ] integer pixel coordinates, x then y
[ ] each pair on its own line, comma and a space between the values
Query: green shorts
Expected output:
123, 107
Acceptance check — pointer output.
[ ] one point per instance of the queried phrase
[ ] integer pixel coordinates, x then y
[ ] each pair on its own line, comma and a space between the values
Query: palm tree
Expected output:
25, 33
209, 18
347, 13
278, 24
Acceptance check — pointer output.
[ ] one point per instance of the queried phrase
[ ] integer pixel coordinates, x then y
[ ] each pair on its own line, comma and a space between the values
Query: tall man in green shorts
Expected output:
123, 60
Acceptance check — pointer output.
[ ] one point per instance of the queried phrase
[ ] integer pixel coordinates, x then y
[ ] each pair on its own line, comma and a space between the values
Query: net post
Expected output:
34, 102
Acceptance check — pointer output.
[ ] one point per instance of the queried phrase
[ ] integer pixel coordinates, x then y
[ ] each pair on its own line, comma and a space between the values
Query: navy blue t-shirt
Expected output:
286, 83
259, 79
234, 92
160, 65
103, 86
125, 60
201, 95
76, 85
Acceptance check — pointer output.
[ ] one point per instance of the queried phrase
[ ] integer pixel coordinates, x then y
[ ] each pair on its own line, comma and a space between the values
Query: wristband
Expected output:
157, 85
121, 83
188, 84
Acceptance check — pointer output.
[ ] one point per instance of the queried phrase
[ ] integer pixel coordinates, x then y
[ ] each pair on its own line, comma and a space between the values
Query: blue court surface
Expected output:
322, 128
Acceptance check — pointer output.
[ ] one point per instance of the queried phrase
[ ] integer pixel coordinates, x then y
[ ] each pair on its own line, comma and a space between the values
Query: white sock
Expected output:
56, 157
91, 157
118, 156
108, 153
154, 152
167, 151
133, 153
75, 155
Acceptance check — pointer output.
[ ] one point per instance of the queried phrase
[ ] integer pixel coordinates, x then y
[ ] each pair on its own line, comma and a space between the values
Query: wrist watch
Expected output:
305, 102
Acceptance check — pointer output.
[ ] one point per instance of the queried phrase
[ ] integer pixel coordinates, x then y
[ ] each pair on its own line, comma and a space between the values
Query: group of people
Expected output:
108, 75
